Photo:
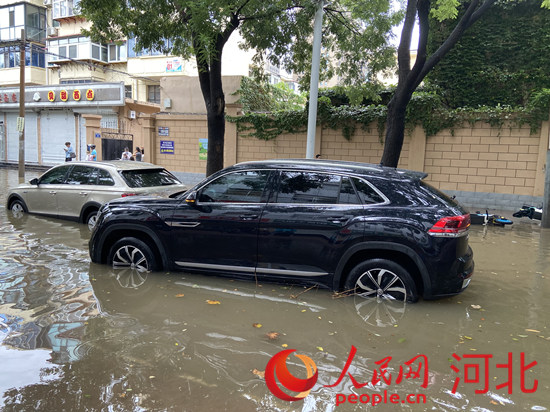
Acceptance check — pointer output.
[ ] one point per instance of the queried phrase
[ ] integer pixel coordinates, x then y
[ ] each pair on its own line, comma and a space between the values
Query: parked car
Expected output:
76, 190
353, 227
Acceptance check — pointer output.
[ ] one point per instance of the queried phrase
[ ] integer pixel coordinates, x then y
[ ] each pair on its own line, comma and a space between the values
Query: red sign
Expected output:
51, 96
76, 95
63, 95
90, 94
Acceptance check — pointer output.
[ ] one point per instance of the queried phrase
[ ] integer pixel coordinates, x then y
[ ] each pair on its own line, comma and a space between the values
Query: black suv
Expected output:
352, 227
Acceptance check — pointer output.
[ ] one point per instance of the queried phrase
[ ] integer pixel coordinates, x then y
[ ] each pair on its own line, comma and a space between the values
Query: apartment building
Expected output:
67, 76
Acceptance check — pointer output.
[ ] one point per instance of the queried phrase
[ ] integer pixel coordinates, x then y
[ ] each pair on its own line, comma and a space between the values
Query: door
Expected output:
219, 232
307, 226
43, 197
56, 128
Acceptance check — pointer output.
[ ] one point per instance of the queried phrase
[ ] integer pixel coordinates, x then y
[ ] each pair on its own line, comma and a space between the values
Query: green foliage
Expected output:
257, 95
425, 109
500, 60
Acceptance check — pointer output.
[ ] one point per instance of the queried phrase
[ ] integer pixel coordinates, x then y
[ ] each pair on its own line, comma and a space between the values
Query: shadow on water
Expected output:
80, 336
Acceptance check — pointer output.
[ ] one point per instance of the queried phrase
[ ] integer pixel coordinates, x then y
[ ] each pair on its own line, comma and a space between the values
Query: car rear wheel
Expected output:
132, 253
91, 219
17, 208
382, 279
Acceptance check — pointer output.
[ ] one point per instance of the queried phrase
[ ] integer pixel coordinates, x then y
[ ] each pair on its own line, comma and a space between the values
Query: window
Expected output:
77, 48
128, 91
367, 193
149, 178
117, 52
153, 94
239, 187
55, 176
348, 195
308, 187
64, 8
81, 175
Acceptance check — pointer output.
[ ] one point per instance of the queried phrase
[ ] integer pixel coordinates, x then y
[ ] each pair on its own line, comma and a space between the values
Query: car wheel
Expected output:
91, 219
17, 208
382, 279
132, 253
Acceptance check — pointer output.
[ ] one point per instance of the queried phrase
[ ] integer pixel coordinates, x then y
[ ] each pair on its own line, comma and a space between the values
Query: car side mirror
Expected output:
34, 181
191, 198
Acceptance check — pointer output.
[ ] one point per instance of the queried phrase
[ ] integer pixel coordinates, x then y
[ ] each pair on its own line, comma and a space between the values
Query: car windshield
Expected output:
149, 178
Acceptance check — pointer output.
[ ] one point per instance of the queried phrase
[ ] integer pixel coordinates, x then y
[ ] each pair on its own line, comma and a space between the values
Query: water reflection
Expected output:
80, 336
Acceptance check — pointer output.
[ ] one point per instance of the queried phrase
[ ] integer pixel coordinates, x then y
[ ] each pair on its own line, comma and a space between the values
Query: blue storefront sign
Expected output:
167, 147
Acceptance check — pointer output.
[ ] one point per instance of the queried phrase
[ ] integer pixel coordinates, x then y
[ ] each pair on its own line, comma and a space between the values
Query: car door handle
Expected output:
248, 217
83, 193
338, 219
53, 192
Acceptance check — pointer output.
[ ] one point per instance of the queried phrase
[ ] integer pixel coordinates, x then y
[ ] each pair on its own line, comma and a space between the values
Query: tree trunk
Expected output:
410, 79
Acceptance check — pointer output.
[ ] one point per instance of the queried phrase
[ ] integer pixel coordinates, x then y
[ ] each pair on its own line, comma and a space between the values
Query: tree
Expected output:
503, 61
410, 78
355, 32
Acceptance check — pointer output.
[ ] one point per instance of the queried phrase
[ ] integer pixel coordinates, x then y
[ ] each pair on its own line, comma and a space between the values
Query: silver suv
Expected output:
76, 190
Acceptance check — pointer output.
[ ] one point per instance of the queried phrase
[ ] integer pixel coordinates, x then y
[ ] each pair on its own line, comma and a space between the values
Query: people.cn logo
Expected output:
276, 370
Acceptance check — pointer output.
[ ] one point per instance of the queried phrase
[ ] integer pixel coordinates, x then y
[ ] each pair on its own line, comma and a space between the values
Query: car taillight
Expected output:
451, 226
129, 194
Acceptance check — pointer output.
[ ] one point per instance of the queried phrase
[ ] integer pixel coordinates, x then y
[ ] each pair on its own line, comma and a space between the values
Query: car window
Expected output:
308, 187
367, 193
149, 178
100, 177
348, 195
238, 187
81, 175
54, 176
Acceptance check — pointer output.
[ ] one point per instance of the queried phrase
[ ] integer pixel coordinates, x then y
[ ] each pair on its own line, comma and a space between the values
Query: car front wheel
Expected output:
134, 254
383, 279
17, 208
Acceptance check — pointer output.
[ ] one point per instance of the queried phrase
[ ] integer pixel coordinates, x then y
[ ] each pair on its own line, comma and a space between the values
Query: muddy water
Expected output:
78, 336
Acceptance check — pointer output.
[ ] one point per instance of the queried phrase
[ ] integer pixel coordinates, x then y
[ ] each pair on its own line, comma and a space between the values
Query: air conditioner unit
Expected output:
167, 103
132, 114
52, 31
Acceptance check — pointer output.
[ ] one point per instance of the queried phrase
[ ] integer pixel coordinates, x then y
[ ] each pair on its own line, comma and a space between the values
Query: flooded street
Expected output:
78, 336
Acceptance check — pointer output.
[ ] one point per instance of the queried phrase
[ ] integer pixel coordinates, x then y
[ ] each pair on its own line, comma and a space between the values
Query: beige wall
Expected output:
475, 159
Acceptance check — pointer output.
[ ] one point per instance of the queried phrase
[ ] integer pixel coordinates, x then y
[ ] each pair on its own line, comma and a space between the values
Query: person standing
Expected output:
126, 154
93, 153
69, 152
137, 154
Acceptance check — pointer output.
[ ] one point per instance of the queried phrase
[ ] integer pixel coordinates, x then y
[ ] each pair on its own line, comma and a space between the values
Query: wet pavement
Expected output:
79, 336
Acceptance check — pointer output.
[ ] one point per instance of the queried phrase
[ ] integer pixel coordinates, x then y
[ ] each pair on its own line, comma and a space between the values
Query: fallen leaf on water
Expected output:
272, 335
532, 330
522, 336
475, 306
260, 374
320, 348
213, 302
468, 337
180, 295
284, 345
257, 325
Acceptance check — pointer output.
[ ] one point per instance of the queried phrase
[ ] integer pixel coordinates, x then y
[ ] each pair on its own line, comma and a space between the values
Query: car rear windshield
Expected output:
438, 193
149, 178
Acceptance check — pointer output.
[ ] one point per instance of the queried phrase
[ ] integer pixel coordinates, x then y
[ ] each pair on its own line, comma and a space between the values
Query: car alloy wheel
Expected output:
132, 253
91, 220
381, 283
382, 279
17, 209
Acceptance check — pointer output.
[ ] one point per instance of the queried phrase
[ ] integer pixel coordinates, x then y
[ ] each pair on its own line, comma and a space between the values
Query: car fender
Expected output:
15, 196
129, 229
385, 246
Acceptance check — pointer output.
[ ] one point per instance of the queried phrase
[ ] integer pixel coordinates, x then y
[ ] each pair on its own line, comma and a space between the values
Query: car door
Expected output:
219, 231
307, 226
42, 198
76, 191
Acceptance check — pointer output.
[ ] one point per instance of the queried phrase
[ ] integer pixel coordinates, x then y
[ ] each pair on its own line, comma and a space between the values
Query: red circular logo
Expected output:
276, 370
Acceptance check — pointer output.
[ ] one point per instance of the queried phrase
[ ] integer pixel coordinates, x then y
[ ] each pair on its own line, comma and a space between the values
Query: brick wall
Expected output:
473, 159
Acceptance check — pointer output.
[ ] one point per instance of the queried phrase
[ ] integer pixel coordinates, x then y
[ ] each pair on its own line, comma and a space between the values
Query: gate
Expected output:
115, 137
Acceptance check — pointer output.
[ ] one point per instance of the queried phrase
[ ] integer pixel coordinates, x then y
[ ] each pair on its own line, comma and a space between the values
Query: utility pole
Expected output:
314, 81
21, 119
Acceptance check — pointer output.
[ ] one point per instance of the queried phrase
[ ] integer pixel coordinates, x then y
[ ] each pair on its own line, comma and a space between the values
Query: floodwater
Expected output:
78, 336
